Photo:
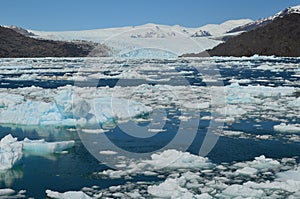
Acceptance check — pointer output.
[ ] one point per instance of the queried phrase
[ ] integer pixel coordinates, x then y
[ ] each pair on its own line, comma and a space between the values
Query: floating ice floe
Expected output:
67, 195
167, 160
170, 189
241, 191
287, 128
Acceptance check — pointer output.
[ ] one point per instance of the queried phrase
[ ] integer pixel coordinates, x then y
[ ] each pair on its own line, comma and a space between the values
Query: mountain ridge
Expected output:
14, 44
280, 37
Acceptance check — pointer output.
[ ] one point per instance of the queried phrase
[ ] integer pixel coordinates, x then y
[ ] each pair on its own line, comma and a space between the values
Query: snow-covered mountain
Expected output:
170, 41
265, 21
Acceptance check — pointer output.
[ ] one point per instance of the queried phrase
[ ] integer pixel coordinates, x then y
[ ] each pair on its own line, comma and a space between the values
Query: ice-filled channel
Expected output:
161, 128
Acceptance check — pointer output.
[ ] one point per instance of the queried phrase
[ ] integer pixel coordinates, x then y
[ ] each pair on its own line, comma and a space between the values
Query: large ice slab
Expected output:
61, 109
41, 146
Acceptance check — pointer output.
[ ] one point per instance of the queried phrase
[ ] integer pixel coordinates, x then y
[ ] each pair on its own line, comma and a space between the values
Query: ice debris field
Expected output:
254, 103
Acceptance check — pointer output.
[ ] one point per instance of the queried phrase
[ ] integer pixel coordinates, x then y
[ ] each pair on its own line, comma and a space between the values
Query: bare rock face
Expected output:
15, 44
279, 37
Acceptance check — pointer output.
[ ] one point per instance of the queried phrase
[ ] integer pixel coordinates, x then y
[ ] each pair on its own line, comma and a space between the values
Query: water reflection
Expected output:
8, 177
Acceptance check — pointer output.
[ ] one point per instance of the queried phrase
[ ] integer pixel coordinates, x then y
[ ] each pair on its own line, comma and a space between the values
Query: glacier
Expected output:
176, 39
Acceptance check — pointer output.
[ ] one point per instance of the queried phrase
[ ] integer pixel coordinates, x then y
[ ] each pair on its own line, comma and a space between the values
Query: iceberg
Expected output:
43, 147
63, 109
10, 152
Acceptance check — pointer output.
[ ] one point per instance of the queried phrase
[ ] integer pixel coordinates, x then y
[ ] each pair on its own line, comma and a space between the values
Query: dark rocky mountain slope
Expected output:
14, 44
281, 37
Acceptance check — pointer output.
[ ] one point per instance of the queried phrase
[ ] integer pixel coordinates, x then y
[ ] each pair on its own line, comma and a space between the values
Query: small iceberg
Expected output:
10, 152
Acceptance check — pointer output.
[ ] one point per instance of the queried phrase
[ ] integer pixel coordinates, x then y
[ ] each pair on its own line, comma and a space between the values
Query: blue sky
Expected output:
91, 14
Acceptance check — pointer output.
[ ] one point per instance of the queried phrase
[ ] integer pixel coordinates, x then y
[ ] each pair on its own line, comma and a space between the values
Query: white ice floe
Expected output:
241, 191
173, 159
10, 152
246, 171
6, 192
41, 146
261, 163
290, 175
67, 195
108, 152
287, 128
171, 188
94, 131
167, 160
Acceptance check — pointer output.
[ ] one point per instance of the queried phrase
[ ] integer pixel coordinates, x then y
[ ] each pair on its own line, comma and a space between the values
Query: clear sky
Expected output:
92, 14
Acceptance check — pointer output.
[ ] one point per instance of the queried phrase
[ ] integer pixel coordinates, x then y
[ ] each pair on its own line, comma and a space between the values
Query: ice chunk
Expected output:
290, 175
167, 160
108, 152
170, 189
290, 128
10, 152
67, 195
262, 163
70, 107
42, 147
247, 171
6, 192
176, 159
203, 196
242, 191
